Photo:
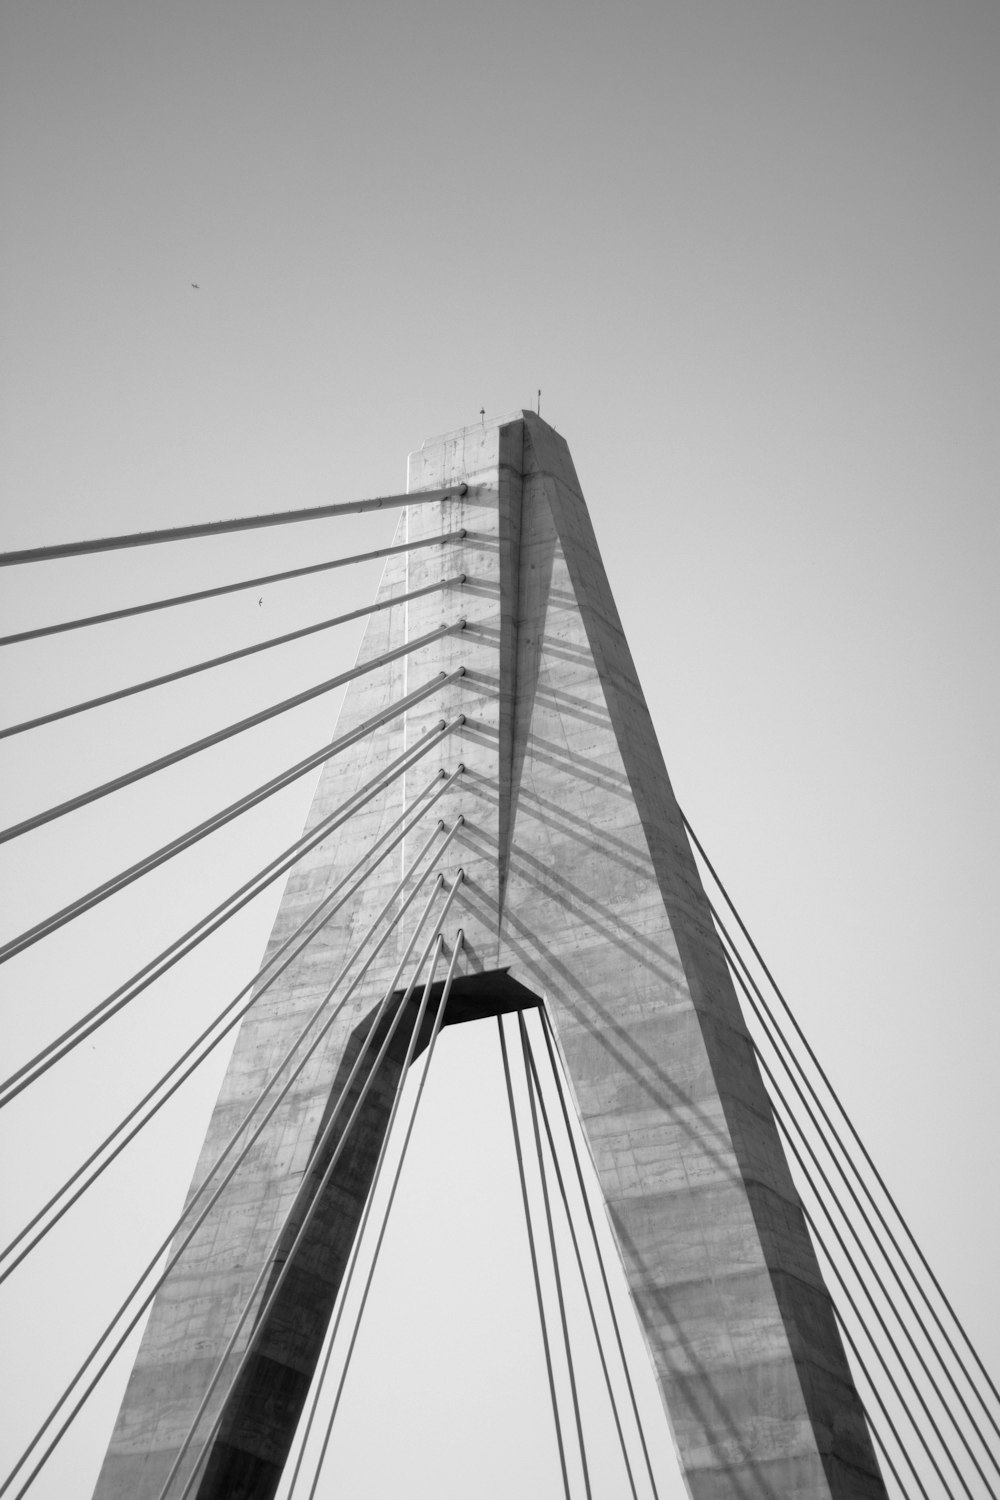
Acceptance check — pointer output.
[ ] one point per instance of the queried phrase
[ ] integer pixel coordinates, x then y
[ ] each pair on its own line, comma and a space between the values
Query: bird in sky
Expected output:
196, 286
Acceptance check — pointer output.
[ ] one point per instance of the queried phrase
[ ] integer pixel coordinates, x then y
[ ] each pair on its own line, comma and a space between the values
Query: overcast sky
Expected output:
252, 255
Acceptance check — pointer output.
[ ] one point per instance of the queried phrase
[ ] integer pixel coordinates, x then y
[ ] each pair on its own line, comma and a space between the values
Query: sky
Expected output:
746, 249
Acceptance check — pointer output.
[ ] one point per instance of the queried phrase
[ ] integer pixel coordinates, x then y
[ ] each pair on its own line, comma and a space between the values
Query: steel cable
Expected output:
872, 1384
778, 1095
228, 657
535, 1085
305, 1192
534, 1262
409, 819
571, 1369
435, 1029
585, 1197
215, 919
849, 1258
871, 1164
220, 735
343, 1291
218, 528
132, 610
178, 845
763, 1014
178, 1250
873, 1388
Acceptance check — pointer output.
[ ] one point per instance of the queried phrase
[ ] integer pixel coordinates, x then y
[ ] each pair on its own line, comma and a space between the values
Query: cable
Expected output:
861, 1282
230, 656
872, 1427
557, 1078
177, 1250
408, 820
864, 1151
205, 926
555, 1256
904, 1449
435, 1029
779, 1096
343, 1291
218, 820
228, 588
761, 1010
306, 1192
535, 1086
534, 1261
215, 919
218, 528
224, 734
795, 1072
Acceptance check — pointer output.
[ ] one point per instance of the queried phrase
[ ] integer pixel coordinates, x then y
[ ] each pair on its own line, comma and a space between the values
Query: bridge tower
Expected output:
579, 892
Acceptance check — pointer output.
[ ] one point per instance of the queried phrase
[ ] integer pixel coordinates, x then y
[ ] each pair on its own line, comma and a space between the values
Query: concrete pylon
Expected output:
580, 892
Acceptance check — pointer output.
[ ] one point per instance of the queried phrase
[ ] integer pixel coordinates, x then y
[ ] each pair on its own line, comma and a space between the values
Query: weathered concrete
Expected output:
581, 884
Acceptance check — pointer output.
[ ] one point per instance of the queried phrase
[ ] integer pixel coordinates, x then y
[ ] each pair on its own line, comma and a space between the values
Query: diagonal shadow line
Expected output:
481, 541
607, 845
476, 732
487, 682
555, 645
573, 706
560, 755
582, 768
484, 630
603, 1028
481, 588
633, 855
599, 919
605, 923
711, 1411
550, 644
595, 719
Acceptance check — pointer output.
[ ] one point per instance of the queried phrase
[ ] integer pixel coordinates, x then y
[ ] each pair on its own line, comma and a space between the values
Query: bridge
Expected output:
494, 797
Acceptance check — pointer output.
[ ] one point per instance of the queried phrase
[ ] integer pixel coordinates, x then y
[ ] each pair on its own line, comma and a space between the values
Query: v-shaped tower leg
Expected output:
581, 888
